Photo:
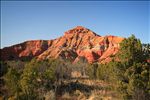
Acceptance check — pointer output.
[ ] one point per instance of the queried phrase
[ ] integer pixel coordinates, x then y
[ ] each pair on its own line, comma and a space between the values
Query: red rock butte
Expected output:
75, 43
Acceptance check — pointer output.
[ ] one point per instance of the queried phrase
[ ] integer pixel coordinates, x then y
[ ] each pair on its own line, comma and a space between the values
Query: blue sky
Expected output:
31, 20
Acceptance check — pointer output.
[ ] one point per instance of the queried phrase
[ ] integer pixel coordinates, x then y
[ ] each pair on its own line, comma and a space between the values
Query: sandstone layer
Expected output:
75, 43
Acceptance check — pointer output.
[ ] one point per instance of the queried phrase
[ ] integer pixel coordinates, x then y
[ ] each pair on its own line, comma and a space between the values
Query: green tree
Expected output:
130, 50
12, 81
129, 70
28, 80
133, 71
38, 77
146, 50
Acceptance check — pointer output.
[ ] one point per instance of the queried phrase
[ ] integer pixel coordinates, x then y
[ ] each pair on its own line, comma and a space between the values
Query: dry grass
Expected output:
50, 95
94, 90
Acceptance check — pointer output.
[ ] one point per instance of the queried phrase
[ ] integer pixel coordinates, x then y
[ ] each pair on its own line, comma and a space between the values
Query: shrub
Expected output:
12, 81
3, 68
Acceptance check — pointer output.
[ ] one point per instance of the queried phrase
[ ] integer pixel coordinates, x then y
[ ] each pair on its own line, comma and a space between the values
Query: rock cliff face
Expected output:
77, 42
25, 50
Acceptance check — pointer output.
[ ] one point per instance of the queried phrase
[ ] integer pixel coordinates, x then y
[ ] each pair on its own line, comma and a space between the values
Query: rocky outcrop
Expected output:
25, 50
77, 42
